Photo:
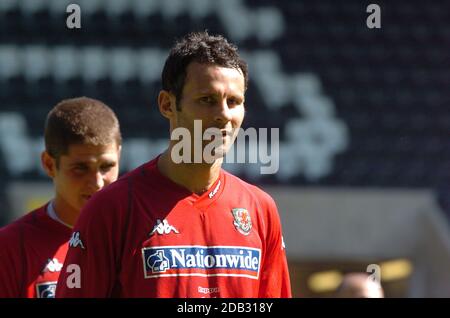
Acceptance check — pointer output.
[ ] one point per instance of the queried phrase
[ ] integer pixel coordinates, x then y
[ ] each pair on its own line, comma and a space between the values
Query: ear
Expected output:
49, 164
166, 104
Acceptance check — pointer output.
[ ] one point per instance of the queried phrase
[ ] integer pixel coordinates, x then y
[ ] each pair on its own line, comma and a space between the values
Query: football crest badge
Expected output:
242, 220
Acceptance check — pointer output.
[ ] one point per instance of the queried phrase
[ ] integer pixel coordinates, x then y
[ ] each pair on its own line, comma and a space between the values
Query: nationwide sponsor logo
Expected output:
46, 290
52, 265
242, 220
163, 227
75, 240
157, 262
166, 261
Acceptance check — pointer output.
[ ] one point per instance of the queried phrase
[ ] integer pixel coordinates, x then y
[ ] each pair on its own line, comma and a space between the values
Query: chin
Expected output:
83, 202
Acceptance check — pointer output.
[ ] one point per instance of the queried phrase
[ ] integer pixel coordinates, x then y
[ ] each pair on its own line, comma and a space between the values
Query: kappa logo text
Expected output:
75, 240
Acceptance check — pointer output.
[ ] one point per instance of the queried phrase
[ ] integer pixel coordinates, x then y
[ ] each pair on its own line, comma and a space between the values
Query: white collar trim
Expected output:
52, 214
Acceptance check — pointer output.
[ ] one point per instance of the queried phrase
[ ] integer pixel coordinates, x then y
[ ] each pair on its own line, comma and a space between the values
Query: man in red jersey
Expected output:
82, 148
174, 228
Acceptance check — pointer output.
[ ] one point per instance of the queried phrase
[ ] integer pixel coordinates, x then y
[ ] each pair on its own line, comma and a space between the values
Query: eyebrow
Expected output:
77, 163
213, 92
110, 162
82, 162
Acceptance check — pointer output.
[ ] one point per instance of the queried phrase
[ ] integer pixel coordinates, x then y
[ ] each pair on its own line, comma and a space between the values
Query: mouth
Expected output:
223, 133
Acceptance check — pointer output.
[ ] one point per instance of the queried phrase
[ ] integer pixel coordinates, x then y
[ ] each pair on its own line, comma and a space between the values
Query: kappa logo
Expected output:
52, 265
242, 220
46, 290
163, 228
167, 261
75, 240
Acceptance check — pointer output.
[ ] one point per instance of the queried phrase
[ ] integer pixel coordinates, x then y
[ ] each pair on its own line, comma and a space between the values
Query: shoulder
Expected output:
106, 203
120, 192
28, 221
16, 232
250, 189
112, 203
266, 211
117, 192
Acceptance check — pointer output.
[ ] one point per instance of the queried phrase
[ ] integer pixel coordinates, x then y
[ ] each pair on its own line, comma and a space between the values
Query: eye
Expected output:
80, 168
234, 102
107, 167
210, 100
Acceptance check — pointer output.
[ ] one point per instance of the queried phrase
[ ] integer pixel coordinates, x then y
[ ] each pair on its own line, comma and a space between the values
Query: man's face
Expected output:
214, 95
84, 170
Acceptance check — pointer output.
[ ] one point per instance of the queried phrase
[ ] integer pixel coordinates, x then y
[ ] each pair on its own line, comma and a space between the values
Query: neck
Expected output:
196, 177
64, 212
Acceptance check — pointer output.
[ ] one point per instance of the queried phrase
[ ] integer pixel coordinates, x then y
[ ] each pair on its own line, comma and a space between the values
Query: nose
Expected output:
97, 182
223, 114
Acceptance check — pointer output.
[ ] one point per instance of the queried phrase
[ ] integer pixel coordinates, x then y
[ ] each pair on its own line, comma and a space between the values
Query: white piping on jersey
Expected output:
213, 192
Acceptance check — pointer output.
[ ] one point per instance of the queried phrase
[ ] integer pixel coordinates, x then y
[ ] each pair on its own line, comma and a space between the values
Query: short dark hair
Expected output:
202, 48
80, 120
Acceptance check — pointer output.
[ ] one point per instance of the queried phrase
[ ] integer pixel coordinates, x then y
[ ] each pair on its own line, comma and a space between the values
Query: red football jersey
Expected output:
145, 236
32, 251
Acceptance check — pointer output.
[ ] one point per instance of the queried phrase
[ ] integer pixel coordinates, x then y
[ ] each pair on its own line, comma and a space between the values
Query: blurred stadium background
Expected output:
364, 117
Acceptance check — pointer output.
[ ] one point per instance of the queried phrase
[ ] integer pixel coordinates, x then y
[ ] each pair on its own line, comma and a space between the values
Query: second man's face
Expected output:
83, 171
214, 95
